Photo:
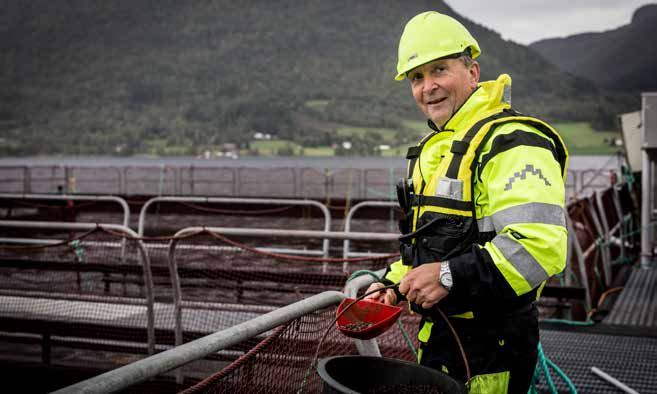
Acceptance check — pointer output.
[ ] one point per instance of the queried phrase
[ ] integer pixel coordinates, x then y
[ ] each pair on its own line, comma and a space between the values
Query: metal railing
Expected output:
191, 180
605, 235
150, 367
573, 244
247, 201
346, 252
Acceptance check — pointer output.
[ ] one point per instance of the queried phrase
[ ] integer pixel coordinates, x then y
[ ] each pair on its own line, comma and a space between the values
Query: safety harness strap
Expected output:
413, 154
420, 200
459, 148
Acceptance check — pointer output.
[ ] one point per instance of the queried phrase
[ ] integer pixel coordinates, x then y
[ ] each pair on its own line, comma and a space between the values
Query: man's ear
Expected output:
473, 71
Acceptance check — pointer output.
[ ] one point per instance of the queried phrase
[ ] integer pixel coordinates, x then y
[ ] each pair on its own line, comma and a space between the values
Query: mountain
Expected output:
176, 78
623, 59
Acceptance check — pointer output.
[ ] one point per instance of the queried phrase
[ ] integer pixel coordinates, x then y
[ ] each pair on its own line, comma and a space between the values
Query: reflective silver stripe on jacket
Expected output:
520, 259
537, 212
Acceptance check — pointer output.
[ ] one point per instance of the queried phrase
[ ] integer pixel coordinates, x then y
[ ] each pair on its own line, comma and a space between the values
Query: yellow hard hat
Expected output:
430, 36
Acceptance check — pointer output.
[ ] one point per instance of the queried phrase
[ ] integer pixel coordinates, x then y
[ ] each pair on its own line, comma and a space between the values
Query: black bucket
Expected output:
366, 374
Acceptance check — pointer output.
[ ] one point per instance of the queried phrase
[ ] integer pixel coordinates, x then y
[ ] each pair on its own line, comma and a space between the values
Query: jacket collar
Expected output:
489, 97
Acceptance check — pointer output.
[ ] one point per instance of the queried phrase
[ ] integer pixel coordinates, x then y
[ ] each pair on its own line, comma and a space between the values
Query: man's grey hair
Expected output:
467, 60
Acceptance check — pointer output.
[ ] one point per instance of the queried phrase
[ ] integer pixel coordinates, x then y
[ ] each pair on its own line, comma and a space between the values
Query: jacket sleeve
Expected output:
394, 274
520, 197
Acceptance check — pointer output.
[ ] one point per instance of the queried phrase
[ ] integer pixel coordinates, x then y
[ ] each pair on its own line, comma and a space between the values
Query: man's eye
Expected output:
416, 77
437, 69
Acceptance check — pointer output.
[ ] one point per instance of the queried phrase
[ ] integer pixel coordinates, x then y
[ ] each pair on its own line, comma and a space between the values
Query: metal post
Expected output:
581, 260
622, 232
177, 188
327, 187
69, 189
648, 147
646, 210
600, 220
124, 181
191, 180
27, 179
237, 181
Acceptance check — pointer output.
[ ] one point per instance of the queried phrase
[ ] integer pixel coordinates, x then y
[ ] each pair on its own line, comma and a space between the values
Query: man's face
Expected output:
442, 86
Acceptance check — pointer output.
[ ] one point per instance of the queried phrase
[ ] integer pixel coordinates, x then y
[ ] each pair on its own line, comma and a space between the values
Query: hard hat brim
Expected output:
430, 57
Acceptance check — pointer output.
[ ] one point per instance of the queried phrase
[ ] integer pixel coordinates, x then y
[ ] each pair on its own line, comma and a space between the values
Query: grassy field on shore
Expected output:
580, 139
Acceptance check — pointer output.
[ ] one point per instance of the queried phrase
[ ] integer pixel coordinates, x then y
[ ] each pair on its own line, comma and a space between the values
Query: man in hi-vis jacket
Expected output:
484, 225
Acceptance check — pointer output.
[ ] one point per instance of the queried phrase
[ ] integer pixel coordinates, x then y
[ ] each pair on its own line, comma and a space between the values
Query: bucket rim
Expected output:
323, 373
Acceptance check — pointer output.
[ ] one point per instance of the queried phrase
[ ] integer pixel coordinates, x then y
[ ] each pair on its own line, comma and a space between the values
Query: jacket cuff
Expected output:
477, 281
465, 276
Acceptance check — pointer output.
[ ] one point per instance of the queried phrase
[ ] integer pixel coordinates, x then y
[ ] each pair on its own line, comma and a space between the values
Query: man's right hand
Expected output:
386, 296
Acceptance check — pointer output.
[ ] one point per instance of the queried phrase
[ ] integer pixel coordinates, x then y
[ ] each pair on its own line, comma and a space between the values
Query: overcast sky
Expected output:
526, 21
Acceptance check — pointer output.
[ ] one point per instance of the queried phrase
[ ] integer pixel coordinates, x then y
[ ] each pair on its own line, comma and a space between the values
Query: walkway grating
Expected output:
629, 359
637, 303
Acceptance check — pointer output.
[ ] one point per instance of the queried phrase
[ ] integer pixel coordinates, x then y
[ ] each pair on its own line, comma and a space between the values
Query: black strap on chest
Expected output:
413, 154
460, 147
421, 200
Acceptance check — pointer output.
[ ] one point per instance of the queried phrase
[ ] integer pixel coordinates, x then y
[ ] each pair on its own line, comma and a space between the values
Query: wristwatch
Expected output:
446, 276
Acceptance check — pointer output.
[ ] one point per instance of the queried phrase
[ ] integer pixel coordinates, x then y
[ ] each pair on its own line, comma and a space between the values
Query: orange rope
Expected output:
144, 238
235, 211
220, 237
253, 250
46, 206
297, 258
602, 298
71, 239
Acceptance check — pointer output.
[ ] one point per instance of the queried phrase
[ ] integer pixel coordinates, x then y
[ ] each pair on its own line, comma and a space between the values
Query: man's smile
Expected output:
435, 101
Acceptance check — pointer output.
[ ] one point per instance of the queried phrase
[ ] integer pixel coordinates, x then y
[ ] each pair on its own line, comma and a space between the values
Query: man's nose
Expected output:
429, 84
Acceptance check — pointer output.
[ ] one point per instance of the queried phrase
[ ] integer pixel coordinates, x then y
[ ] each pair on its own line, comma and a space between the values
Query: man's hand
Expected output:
386, 296
422, 285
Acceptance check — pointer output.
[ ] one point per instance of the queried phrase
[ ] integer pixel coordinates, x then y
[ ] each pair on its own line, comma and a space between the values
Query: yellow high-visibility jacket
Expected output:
487, 195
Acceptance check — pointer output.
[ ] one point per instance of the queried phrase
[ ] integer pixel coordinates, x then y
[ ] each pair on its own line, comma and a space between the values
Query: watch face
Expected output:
446, 280
445, 276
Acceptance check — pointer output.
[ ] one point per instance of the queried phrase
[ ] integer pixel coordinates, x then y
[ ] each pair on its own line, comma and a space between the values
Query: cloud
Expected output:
526, 21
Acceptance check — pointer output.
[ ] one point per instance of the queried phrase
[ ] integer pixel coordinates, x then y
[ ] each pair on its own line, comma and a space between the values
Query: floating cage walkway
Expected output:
207, 282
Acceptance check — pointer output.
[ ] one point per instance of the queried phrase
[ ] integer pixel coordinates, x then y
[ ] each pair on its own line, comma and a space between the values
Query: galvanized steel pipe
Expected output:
139, 371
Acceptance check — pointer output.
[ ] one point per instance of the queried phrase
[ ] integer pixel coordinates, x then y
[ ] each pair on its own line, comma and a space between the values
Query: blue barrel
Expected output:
367, 374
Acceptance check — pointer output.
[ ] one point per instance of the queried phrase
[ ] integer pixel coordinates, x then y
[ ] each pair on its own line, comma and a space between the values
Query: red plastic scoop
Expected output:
366, 319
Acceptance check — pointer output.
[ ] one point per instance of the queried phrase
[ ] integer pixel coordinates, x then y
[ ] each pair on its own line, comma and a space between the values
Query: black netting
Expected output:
90, 289
223, 282
283, 361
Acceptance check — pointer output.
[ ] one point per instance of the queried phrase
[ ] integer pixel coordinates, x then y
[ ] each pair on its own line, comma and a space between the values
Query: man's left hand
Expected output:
422, 285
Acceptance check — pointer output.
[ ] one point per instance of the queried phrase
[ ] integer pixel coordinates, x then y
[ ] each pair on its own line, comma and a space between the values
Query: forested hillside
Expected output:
178, 78
623, 59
